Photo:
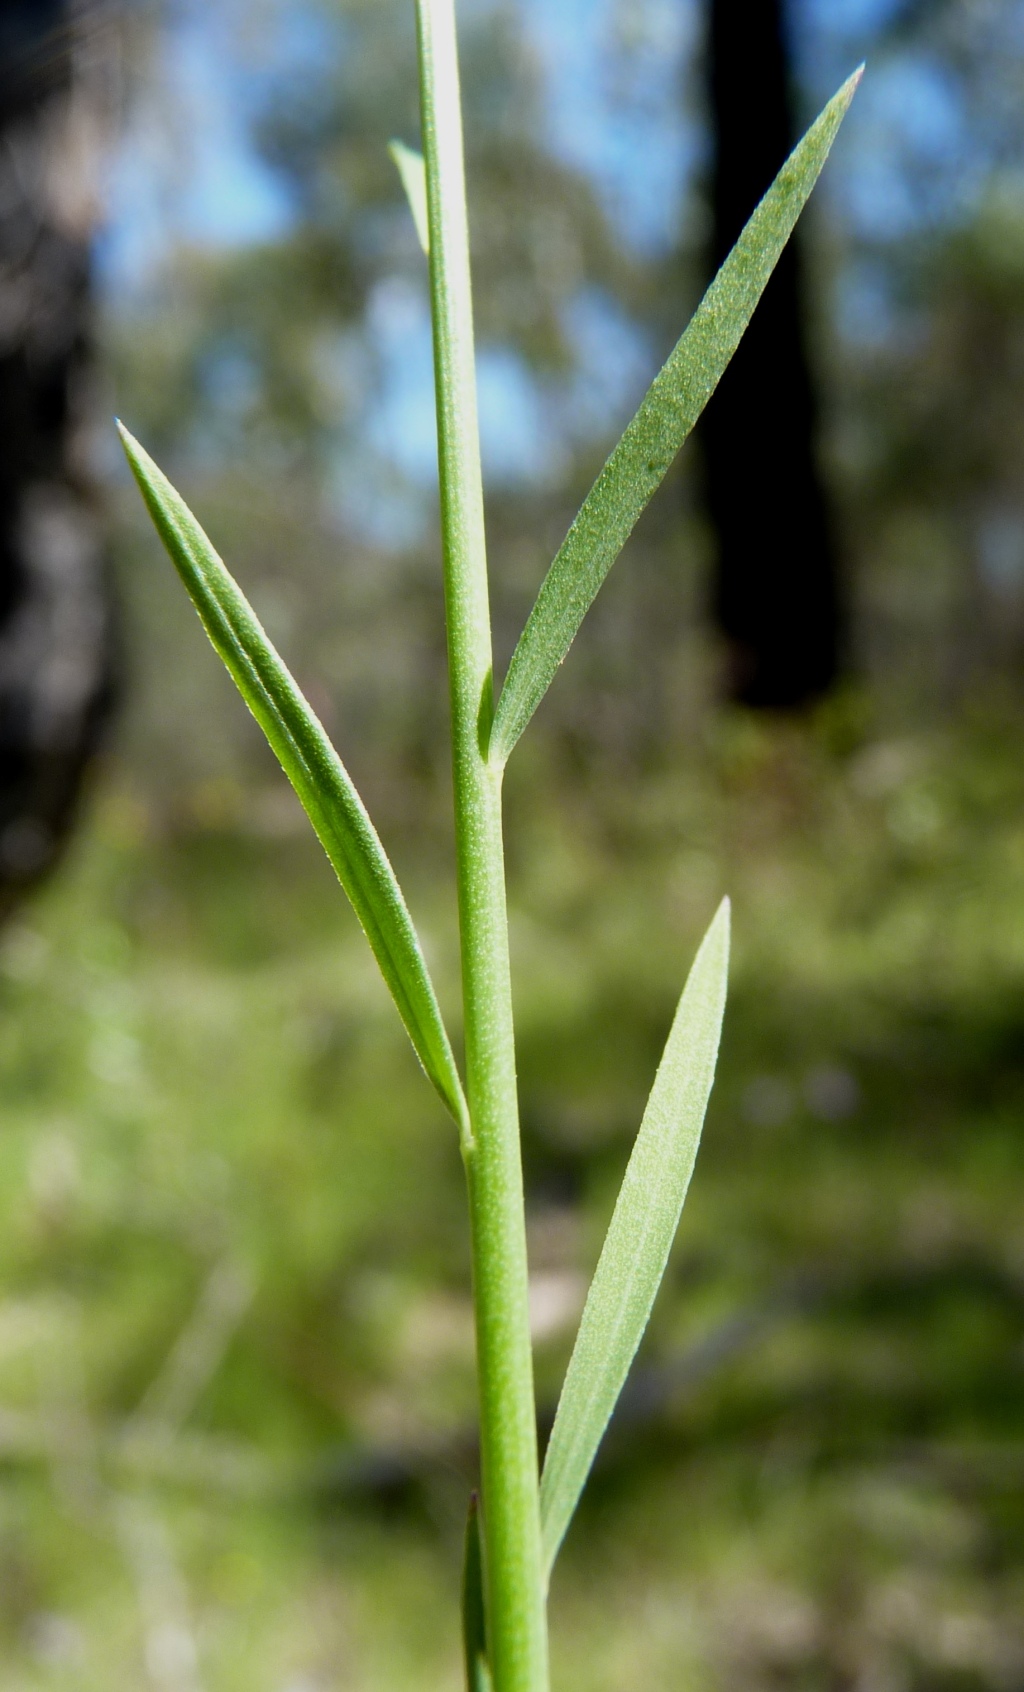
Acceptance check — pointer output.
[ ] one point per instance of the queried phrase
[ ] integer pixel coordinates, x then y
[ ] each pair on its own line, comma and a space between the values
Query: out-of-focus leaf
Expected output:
313, 768
667, 413
639, 1238
413, 172
474, 1622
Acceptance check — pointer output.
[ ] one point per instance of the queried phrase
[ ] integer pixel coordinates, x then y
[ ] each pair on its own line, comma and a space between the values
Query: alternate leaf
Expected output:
474, 1623
639, 1238
413, 172
313, 768
667, 413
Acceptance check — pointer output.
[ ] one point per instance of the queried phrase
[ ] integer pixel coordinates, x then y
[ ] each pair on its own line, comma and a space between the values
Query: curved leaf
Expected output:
668, 411
313, 768
639, 1238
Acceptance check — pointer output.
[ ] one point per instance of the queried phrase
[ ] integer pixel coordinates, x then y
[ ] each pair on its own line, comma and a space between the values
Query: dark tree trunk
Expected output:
55, 619
776, 595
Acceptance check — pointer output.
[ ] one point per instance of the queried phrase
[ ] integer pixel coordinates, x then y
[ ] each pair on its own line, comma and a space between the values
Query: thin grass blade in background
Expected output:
639, 1238
667, 413
313, 768
474, 1624
413, 171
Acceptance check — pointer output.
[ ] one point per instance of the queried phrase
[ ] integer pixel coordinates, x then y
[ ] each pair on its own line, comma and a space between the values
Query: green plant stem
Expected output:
516, 1623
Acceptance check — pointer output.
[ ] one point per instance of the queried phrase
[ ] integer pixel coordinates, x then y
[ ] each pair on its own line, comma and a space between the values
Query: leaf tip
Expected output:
841, 99
715, 946
721, 922
136, 454
413, 172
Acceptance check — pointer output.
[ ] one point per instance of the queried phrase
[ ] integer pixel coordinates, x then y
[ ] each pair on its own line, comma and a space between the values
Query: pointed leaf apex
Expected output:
667, 413
840, 100
413, 172
640, 1236
721, 922
314, 769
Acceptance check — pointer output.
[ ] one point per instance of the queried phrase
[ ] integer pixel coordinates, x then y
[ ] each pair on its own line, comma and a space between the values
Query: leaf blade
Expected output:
666, 415
474, 1618
639, 1237
413, 172
313, 767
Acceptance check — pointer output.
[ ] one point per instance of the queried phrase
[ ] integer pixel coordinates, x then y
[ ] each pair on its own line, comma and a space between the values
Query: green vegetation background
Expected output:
236, 1392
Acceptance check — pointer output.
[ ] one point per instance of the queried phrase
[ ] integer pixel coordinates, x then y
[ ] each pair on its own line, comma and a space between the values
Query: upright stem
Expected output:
517, 1637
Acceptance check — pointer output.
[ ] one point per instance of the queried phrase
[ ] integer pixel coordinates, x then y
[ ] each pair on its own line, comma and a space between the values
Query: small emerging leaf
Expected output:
474, 1625
668, 411
640, 1236
313, 768
413, 172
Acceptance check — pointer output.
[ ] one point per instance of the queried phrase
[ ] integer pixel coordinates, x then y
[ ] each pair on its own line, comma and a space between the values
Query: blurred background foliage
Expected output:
236, 1394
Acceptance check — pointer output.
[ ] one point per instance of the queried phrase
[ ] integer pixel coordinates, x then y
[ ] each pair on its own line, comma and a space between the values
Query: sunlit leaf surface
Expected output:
668, 412
640, 1236
313, 768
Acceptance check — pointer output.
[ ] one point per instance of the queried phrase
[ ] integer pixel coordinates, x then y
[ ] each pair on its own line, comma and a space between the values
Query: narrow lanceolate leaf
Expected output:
313, 768
474, 1625
639, 1238
412, 170
668, 412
